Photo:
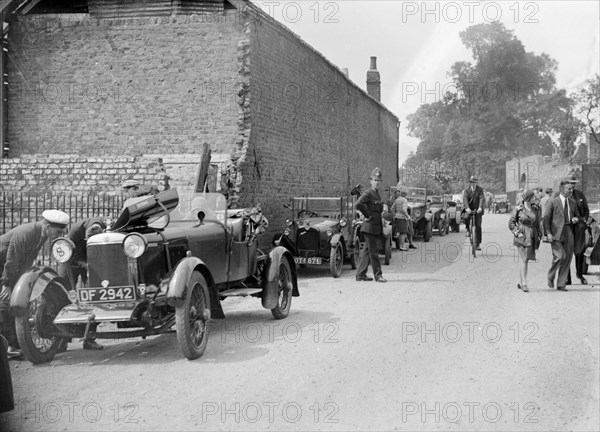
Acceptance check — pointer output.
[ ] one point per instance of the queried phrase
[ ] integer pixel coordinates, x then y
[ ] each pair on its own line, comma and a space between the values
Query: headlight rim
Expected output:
69, 243
136, 235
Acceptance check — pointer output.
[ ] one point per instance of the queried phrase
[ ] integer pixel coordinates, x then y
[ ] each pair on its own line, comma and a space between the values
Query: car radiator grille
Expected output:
308, 240
108, 262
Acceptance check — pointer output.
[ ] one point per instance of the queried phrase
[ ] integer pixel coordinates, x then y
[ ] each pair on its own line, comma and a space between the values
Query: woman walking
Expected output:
525, 224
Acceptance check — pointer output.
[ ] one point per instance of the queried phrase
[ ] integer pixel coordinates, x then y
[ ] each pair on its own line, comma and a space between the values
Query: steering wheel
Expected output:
310, 213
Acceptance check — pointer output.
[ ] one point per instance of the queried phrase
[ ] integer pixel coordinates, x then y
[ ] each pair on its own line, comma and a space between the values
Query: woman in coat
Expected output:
525, 224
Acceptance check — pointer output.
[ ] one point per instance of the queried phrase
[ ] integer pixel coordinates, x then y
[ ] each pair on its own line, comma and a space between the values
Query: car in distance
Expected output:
501, 204
320, 231
159, 266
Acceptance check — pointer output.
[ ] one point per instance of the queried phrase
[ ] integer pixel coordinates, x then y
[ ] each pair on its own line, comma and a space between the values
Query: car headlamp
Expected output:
62, 249
329, 233
343, 222
417, 213
134, 245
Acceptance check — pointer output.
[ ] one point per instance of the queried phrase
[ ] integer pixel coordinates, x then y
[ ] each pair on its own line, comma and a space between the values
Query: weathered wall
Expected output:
313, 131
123, 86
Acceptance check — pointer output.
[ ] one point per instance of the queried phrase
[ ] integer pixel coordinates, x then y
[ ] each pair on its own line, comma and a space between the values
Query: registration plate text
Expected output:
307, 260
106, 294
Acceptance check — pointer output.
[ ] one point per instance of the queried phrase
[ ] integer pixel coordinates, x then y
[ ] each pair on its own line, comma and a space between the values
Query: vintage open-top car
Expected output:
155, 268
419, 212
319, 231
438, 206
453, 213
500, 204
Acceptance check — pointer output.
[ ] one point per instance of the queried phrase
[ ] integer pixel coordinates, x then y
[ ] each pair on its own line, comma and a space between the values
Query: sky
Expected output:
416, 42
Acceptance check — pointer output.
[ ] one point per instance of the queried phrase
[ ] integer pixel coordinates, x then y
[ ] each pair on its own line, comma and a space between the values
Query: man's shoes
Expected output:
364, 278
404, 249
583, 280
412, 246
478, 247
524, 288
550, 284
519, 286
90, 344
14, 353
381, 279
562, 289
467, 234
569, 281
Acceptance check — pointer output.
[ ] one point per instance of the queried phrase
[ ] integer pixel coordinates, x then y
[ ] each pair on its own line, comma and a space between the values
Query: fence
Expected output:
17, 208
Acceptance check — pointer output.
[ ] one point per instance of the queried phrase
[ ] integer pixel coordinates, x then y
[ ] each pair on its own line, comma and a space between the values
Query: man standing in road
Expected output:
77, 265
474, 200
560, 215
579, 230
371, 206
19, 248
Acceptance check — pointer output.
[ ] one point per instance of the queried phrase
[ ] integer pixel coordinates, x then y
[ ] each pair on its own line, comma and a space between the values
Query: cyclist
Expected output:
474, 201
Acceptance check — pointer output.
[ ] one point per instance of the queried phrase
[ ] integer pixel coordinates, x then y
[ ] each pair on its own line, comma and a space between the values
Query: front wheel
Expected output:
336, 260
442, 227
192, 318
356, 252
284, 287
35, 330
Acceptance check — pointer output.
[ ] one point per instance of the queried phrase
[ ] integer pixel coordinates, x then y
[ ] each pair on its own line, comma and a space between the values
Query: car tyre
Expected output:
442, 227
355, 258
35, 325
192, 318
336, 260
285, 286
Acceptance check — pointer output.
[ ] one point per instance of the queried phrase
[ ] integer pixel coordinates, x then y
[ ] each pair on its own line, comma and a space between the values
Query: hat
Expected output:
130, 183
376, 174
528, 194
548, 190
473, 179
572, 179
56, 218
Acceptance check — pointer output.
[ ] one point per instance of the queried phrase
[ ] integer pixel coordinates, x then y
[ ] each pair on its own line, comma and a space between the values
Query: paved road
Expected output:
448, 344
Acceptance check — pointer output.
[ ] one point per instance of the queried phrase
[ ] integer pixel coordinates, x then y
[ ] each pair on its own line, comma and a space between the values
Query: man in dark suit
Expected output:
474, 201
371, 206
560, 215
579, 230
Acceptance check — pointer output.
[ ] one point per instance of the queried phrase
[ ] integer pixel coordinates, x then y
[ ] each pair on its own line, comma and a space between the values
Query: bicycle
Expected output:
472, 234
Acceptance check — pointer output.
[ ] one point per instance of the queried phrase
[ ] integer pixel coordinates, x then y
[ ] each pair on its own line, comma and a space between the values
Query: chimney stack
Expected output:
374, 81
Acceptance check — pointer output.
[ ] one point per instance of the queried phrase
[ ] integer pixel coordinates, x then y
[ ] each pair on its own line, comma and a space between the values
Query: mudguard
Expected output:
179, 281
335, 239
270, 293
32, 284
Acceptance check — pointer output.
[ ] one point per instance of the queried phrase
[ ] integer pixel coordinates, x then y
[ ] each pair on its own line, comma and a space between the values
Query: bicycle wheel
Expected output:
473, 241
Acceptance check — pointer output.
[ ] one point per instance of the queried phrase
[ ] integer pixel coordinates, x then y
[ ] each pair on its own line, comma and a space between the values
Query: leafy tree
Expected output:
587, 100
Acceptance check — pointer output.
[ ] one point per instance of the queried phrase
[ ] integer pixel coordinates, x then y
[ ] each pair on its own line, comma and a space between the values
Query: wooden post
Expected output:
203, 169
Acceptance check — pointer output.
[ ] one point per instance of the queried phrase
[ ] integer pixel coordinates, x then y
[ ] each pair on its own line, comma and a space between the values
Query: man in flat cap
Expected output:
371, 206
474, 200
133, 189
77, 266
19, 248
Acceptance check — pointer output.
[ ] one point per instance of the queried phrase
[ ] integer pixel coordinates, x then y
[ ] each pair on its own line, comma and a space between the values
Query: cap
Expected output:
376, 174
528, 194
473, 179
56, 218
548, 190
130, 183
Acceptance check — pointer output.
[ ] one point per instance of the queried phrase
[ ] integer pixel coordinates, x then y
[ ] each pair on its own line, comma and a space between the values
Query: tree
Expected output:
587, 100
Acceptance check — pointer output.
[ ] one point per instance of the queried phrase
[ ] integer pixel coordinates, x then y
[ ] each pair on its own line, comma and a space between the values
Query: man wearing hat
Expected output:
579, 229
19, 248
371, 206
77, 265
474, 200
560, 214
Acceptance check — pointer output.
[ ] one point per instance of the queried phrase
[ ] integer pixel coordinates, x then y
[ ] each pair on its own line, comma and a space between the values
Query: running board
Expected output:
240, 292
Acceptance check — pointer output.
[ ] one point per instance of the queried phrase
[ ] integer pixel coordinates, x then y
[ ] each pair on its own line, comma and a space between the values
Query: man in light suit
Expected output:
560, 216
371, 206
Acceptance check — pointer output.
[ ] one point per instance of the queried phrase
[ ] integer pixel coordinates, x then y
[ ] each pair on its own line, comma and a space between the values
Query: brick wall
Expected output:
313, 130
123, 86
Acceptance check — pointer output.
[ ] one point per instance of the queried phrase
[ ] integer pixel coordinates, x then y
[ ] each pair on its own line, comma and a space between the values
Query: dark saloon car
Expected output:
419, 212
320, 232
438, 206
159, 266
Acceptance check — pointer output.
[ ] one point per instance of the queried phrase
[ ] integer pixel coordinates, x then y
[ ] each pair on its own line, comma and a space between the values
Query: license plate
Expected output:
308, 260
98, 295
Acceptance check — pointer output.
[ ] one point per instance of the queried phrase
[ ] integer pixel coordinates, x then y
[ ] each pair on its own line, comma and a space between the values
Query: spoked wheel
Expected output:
192, 318
336, 260
37, 335
284, 286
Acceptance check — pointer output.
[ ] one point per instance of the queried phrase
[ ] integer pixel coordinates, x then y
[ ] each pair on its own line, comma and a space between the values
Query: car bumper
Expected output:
104, 312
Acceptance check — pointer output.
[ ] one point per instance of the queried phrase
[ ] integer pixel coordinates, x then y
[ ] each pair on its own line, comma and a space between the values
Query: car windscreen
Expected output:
325, 207
214, 206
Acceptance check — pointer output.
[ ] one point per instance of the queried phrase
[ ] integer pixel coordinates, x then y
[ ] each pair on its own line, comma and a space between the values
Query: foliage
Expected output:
587, 101
504, 104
